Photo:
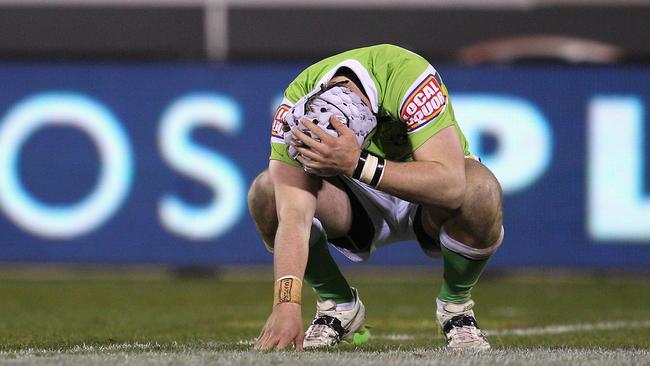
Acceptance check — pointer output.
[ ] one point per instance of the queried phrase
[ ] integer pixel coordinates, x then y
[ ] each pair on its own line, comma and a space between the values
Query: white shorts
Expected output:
392, 219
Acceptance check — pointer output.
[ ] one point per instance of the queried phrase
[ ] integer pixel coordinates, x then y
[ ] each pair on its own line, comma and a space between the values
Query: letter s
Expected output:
208, 167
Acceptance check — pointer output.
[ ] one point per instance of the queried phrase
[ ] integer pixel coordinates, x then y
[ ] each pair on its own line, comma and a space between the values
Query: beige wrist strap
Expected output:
288, 289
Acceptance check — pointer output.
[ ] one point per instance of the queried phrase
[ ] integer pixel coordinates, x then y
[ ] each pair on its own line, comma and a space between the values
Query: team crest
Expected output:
278, 121
424, 103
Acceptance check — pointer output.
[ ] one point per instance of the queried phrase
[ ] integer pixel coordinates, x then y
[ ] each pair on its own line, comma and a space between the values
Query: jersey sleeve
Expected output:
298, 88
425, 108
279, 149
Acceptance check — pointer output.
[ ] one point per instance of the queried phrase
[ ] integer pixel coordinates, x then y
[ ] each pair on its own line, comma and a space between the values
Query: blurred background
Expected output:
131, 129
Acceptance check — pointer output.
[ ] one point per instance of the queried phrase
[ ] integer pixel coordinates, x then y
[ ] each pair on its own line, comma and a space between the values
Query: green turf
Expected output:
64, 312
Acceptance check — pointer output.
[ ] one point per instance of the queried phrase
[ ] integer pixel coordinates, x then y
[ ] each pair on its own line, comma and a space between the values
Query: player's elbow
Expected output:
452, 189
447, 186
451, 193
448, 195
455, 194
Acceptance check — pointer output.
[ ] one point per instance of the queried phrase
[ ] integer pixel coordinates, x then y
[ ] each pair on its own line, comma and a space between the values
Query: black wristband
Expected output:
379, 172
360, 164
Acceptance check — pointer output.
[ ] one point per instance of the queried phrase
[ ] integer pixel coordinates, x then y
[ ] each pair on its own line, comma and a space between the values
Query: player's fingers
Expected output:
284, 342
260, 341
324, 136
258, 344
308, 162
295, 141
309, 153
304, 162
301, 160
266, 340
299, 340
339, 126
262, 332
269, 342
306, 140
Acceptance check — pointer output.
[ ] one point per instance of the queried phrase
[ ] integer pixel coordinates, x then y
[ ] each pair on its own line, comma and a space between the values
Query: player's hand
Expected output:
283, 328
332, 155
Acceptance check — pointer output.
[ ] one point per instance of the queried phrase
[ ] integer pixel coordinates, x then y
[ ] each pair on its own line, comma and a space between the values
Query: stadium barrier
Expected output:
290, 30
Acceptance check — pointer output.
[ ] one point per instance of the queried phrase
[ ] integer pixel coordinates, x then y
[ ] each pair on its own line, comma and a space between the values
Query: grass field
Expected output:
150, 317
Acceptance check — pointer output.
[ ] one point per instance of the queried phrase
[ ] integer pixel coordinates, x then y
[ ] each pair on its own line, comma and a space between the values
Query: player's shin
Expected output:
322, 272
463, 266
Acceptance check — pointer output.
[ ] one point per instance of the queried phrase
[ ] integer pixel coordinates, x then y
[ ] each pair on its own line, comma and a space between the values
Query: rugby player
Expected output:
412, 178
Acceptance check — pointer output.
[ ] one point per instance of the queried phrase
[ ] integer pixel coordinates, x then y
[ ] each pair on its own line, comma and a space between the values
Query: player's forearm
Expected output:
292, 245
295, 197
425, 182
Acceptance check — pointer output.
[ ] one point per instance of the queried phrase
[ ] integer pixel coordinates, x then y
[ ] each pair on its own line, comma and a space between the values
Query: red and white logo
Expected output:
278, 121
423, 104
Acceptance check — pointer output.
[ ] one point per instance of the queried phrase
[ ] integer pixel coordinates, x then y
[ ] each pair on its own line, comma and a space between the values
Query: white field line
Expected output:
112, 348
551, 329
153, 347
558, 329
417, 357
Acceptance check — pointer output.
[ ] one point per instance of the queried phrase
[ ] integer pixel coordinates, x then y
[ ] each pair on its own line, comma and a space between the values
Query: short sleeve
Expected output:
425, 108
279, 149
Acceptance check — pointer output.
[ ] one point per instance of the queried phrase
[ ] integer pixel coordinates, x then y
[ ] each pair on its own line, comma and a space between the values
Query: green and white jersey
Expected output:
406, 93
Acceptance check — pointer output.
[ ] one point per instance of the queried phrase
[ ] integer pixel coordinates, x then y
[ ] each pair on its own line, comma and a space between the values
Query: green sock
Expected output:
323, 274
460, 275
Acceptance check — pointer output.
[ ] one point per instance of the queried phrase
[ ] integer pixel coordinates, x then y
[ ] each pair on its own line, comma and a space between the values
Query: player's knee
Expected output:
482, 208
261, 205
260, 193
484, 196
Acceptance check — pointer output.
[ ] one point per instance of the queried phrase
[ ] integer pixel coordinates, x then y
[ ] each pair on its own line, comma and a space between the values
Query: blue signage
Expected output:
150, 163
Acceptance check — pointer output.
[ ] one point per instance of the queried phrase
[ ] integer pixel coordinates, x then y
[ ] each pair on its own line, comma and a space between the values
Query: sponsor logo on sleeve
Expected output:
278, 121
423, 104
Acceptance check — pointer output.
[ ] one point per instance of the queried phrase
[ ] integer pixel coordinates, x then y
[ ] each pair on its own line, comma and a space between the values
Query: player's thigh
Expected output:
433, 217
480, 218
333, 207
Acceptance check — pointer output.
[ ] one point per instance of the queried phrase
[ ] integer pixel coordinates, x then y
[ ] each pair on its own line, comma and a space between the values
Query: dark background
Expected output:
291, 30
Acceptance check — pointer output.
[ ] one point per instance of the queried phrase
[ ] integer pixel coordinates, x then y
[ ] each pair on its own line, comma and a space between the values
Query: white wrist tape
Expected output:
369, 168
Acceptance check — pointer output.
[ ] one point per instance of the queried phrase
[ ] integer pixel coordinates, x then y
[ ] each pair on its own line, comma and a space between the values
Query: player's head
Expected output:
335, 99
345, 74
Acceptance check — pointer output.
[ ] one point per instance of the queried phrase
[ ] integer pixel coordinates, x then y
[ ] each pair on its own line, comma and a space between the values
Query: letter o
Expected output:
523, 132
96, 121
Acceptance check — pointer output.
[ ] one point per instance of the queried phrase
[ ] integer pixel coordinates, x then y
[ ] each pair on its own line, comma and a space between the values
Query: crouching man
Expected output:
365, 152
